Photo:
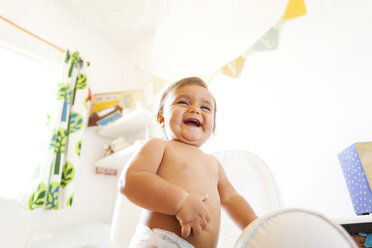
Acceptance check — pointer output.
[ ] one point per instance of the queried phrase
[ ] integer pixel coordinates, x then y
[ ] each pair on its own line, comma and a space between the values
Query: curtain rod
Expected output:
29, 33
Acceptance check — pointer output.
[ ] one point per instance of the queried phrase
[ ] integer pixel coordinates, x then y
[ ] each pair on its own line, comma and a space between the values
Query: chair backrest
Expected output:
124, 221
252, 178
292, 228
248, 173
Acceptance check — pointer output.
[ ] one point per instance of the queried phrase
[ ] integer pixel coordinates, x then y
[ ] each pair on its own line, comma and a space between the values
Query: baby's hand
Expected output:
193, 215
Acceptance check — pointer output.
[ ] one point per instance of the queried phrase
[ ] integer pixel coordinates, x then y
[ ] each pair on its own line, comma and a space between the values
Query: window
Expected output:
28, 89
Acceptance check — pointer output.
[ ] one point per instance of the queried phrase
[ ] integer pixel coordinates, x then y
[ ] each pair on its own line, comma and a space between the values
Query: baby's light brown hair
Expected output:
179, 84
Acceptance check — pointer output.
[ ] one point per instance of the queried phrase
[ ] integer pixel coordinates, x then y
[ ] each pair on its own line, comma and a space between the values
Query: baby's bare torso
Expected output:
196, 172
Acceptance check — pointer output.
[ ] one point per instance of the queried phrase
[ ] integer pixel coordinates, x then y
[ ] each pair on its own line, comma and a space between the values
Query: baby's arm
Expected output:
234, 204
140, 183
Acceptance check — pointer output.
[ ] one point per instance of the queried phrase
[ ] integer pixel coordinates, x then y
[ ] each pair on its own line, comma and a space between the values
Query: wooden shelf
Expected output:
118, 159
131, 123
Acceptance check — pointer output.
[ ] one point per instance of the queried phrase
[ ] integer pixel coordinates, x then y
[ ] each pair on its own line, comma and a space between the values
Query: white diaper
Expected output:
158, 238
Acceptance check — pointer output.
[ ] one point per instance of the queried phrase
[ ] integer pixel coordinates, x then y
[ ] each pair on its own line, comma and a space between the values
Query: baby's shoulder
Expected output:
212, 159
154, 143
210, 156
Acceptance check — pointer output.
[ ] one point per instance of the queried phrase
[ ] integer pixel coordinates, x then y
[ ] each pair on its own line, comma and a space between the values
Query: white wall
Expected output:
296, 107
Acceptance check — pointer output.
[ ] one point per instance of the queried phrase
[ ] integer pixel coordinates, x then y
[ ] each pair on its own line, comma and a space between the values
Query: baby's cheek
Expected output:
210, 123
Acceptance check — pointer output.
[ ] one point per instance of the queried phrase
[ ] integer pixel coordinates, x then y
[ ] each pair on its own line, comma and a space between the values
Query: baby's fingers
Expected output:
207, 218
185, 230
204, 224
196, 229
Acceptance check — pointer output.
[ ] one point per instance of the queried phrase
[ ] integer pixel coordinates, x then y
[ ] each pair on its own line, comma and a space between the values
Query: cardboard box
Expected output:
356, 166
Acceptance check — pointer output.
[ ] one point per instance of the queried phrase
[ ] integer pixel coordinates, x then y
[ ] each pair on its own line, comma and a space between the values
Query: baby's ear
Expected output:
160, 119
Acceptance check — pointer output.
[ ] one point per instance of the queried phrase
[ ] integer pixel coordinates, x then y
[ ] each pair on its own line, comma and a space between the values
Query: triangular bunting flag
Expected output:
233, 68
268, 41
158, 84
294, 9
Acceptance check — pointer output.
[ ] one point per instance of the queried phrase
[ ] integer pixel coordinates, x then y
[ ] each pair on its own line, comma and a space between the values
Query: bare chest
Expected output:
188, 165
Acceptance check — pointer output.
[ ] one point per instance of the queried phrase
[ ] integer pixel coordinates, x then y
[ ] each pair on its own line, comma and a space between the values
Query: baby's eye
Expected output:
206, 108
182, 102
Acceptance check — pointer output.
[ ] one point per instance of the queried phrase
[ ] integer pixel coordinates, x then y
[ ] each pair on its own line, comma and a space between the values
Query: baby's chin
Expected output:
192, 141
187, 138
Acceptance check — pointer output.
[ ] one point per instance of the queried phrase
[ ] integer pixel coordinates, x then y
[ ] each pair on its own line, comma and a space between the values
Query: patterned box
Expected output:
108, 107
355, 163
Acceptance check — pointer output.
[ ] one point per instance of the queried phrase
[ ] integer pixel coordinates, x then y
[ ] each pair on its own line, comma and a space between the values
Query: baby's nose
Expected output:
193, 110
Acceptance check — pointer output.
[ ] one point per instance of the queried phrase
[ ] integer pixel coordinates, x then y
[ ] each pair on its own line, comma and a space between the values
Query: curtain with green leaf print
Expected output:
53, 187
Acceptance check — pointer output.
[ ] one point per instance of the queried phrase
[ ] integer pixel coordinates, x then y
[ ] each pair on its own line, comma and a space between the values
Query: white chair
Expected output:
276, 227
294, 228
249, 175
252, 178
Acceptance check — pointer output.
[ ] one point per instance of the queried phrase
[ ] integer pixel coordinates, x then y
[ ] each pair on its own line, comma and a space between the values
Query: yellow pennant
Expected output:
233, 68
158, 84
294, 9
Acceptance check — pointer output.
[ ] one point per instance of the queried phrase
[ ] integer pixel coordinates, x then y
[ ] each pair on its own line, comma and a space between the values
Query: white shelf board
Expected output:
118, 159
353, 219
131, 123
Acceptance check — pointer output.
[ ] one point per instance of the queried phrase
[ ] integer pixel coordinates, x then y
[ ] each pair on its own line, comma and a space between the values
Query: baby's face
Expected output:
188, 115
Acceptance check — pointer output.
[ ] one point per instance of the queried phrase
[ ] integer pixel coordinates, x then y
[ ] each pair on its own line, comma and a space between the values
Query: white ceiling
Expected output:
178, 37
119, 21
171, 39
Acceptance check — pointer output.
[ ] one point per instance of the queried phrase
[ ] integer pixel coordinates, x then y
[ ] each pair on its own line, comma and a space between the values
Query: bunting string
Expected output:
269, 41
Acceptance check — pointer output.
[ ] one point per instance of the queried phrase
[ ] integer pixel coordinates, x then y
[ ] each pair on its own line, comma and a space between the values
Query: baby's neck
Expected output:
184, 143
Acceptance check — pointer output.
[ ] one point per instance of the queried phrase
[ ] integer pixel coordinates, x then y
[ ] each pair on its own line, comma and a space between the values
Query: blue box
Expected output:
356, 180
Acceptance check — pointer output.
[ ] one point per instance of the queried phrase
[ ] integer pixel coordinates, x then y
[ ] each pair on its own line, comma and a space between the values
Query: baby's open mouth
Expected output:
192, 122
